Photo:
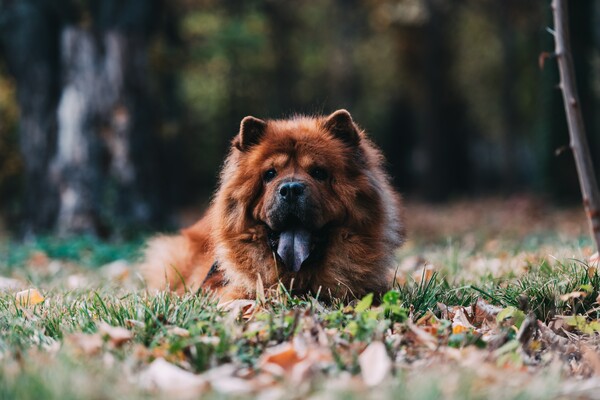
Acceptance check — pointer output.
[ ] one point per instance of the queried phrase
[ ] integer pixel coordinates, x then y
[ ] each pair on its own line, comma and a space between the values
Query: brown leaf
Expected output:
375, 364
484, 311
88, 344
592, 358
244, 307
117, 335
283, 355
422, 336
572, 295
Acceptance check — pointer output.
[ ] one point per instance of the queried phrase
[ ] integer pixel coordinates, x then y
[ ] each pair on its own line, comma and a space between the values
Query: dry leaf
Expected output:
572, 295
175, 330
232, 386
167, 377
117, 335
260, 290
460, 322
224, 380
29, 297
242, 306
375, 364
422, 336
484, 311
283, 355
86, 343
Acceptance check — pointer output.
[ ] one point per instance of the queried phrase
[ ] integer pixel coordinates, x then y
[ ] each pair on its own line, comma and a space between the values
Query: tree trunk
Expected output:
88, 120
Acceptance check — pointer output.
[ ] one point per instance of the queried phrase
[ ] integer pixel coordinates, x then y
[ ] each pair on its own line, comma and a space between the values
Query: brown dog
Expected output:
304, 202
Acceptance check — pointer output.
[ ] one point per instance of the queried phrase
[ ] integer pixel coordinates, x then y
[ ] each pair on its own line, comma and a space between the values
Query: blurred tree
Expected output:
88, 122
30, 43
425, 54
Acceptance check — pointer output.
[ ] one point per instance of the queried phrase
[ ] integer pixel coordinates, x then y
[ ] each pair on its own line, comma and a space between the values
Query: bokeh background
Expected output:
116, 114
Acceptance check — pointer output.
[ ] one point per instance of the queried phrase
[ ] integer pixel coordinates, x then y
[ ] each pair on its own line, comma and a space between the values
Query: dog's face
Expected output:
302, 171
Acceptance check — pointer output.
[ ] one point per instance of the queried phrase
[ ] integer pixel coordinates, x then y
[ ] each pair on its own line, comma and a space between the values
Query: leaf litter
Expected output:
467, 319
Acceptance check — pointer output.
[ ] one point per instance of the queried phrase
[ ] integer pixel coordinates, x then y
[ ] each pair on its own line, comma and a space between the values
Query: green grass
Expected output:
40, 357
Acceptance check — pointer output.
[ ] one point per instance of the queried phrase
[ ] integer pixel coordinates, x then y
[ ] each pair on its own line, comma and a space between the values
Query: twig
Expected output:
578, 142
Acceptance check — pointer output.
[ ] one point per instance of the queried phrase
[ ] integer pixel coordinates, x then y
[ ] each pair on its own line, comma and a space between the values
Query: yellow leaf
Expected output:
29, 297
459, 329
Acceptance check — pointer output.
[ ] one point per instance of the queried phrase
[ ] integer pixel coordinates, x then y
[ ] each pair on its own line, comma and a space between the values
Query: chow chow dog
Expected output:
302, 202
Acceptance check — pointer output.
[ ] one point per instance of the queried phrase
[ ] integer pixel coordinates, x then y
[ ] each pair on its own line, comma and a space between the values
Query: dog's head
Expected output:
299, 178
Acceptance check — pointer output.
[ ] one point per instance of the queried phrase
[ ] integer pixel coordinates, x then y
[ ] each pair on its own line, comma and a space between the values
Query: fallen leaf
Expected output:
29, 297
422, 336
572, 295
484, 311
88, 344
460, 322
375, 364
260, 290
117, 335
177, 331
283, 355
232, 386
167, 377
223, 379
236, 307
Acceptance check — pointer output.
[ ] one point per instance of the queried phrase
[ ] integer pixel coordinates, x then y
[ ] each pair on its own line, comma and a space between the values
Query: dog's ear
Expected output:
341, 125
251, 131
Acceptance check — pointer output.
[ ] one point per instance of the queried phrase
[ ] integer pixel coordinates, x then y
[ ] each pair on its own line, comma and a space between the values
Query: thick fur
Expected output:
354, 211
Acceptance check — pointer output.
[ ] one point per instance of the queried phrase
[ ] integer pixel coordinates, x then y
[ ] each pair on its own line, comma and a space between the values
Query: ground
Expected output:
494, 298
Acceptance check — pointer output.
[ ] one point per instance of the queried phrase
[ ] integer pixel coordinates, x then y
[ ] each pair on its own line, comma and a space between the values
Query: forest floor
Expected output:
495, 298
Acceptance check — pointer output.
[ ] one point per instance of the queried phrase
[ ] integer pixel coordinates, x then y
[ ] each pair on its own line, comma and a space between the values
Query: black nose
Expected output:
291, 191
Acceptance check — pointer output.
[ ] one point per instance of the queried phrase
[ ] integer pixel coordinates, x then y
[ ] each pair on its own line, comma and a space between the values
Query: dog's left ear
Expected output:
251, 131
341, 125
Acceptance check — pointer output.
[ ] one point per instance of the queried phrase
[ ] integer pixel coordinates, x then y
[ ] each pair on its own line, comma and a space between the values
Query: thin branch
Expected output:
578, 143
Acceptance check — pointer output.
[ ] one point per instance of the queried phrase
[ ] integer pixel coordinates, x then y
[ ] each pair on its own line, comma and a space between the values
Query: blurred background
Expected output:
116, 114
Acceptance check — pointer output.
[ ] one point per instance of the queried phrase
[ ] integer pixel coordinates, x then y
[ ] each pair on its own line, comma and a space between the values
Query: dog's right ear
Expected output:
251, 131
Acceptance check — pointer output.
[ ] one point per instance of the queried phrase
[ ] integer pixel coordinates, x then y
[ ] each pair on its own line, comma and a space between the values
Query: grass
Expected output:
60, 348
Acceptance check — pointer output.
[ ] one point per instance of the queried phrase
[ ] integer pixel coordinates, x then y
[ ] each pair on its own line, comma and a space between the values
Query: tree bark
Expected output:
89, 123
578, 142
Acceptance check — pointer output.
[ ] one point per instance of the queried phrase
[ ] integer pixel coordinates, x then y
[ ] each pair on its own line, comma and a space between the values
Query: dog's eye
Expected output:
318, 173
269, 175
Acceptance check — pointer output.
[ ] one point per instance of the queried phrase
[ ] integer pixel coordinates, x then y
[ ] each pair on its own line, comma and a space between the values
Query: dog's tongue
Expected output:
294, 248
